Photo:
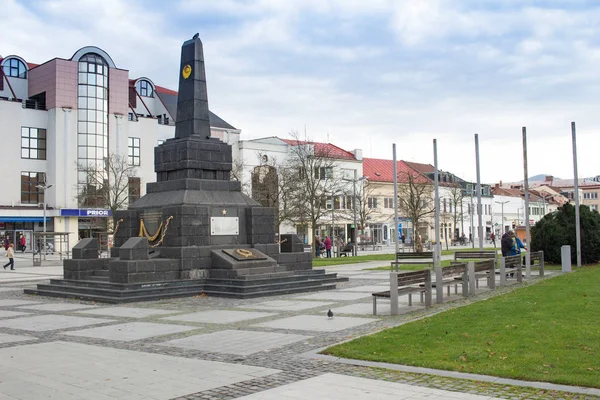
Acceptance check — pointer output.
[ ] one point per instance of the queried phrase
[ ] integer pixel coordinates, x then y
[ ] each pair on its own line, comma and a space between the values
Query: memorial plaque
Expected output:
245, 254
220, 226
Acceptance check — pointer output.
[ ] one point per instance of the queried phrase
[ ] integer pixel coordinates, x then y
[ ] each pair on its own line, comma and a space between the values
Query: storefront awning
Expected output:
24, 219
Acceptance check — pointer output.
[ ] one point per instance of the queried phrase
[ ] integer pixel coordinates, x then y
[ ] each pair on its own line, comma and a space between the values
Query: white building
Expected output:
66, 113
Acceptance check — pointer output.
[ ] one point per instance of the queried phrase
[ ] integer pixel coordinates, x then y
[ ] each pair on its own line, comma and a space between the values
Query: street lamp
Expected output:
44, 186
502, 203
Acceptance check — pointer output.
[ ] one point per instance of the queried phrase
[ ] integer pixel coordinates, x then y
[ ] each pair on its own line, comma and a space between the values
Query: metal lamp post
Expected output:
502, 203
44, 187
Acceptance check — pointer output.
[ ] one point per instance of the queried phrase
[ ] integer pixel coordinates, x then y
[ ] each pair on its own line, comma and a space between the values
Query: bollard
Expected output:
472, 282
565, 256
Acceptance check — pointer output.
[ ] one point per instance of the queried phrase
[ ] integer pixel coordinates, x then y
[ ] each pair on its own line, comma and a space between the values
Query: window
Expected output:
323, 172
348, 174
134, 189
144, 88
590, 196
388, 202
33, 143
593, 207
348, 203
30, 194
372, 202
134, 151
15, 68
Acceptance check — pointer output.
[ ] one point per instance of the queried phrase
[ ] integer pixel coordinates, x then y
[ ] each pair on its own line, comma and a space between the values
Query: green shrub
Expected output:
558, 229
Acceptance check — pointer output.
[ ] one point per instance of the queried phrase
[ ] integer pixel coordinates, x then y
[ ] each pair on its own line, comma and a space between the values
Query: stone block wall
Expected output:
259, 225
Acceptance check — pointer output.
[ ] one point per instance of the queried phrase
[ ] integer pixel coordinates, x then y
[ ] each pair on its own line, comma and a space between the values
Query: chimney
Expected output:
497, 186
357, 154
549, 179
500, 184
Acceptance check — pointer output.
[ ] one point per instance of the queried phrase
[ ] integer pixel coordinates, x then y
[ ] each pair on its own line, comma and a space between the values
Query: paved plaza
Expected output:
215, 348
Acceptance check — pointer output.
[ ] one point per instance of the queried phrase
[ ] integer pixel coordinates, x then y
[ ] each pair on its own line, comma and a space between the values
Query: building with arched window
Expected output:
65, 121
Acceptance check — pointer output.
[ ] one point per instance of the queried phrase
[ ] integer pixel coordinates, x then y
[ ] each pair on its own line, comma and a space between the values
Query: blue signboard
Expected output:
85, 212
399, 231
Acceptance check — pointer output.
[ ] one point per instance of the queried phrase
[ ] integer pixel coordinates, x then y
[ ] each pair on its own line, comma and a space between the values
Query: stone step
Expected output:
99, 278
248, 273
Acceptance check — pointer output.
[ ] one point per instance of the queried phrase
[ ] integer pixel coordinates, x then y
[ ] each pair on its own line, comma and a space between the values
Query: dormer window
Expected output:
15, 68
144, 88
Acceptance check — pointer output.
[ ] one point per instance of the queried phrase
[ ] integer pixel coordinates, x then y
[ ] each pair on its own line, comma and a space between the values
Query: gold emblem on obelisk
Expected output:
187, 71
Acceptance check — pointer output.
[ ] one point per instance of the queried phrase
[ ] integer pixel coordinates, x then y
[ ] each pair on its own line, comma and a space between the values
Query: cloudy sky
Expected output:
362, 74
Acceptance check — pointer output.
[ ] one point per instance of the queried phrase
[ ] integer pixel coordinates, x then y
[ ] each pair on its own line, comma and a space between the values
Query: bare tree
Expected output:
415, 198
237, 174
455, 196
107, 184
364, 209
310, 181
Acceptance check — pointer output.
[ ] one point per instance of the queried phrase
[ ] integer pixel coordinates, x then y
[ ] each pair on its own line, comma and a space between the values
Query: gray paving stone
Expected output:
383, 308
127, 312
236, 342
6, 338
16, 302
50, 322
331, 295
130, 331
342, 387
79, 371
10, 314
315, 323
286, 305
367, 288
371, 276
9, 289
57, 307
219, 316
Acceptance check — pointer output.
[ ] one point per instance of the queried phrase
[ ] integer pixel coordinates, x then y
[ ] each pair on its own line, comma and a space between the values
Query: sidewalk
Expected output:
25, 271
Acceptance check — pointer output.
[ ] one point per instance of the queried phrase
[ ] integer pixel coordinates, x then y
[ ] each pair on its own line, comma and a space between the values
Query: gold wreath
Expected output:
164, 232
144, 232
186, 71
244, 253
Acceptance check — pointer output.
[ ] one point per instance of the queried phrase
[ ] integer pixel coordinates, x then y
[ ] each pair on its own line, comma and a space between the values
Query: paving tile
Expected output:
286, 305
236, 342
130, 331
57, 307
383, 308
315, 323
367, 288
331, 295
219, 316
49, 322
16, 302
6, 338
342, 387
371, 276
79, 371
10, 314
9, 289
127, 312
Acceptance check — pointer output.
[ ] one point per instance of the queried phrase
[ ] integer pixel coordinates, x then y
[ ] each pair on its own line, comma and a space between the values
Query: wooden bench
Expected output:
537, 256
486, 269
409, 283
413, 258
464, 255
347, 250
375, 246
510, 265
451, 276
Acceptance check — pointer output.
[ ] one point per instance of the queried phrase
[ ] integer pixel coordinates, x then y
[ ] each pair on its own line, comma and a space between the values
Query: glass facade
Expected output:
92, 127
30, 193
33, 143
15, 68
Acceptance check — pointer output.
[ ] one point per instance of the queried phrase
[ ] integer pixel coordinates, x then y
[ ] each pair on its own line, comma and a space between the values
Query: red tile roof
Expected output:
324, 149
164, 90
422, 168
379, 170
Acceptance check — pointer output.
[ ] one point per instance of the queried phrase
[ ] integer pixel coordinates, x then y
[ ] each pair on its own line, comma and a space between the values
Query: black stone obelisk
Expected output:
192, 101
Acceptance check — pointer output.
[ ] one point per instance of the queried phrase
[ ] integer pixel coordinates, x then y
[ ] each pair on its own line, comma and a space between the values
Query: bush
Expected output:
558, 229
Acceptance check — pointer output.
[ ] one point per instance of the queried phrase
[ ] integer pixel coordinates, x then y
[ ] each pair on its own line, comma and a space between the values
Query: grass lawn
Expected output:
545, 332
326, 262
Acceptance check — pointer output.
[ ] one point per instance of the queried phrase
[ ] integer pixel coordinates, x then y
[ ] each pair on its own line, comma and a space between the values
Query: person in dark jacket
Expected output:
506, 244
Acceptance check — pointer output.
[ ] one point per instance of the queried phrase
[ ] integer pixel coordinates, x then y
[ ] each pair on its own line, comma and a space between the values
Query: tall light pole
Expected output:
44, 186
502, 203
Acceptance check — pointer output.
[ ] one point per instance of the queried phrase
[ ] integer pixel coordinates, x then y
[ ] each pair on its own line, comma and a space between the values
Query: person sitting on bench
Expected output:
347, 249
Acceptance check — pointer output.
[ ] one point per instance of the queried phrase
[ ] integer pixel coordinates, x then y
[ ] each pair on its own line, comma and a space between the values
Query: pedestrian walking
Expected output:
493, 239
10, 253
327, 243
23, 243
